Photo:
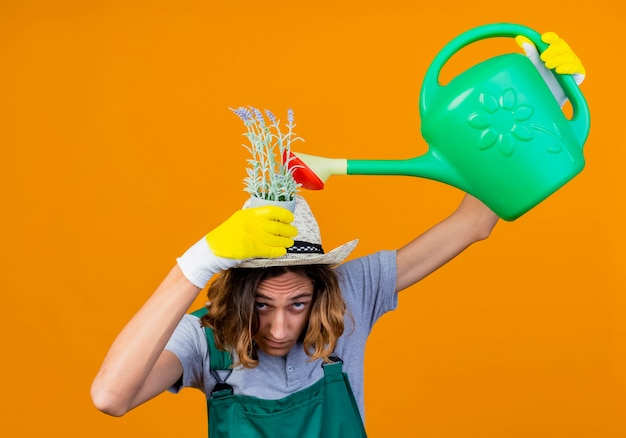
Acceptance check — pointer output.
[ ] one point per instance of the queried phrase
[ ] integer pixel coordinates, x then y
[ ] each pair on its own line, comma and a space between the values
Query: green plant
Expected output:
269, 175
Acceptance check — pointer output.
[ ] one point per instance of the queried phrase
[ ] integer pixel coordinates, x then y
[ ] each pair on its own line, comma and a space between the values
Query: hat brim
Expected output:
332, 258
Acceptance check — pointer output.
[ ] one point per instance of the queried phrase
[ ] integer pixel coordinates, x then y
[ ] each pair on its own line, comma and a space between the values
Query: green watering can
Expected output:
494, 131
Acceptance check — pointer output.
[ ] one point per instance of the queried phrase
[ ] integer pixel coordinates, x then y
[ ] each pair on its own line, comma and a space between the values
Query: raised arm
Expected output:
472, 221
137, 367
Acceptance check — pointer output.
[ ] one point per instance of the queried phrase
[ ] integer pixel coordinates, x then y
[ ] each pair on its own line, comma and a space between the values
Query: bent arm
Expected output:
471, 221
136, 367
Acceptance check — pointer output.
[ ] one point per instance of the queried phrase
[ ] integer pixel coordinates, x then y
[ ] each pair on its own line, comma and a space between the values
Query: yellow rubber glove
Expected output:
558, 56
249, 233
254, 232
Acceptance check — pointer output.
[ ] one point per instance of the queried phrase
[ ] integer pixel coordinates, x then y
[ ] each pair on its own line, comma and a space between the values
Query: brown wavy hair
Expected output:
233, 316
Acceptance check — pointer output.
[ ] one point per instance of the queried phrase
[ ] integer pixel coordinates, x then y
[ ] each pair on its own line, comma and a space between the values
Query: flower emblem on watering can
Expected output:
504, 123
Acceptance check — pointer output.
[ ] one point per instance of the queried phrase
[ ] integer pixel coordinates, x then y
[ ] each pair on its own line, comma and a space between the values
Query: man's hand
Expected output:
248, 233
558, 56
253, 233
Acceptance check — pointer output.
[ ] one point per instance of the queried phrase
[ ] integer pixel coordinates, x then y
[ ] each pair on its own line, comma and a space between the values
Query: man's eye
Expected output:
299, 306
261, 306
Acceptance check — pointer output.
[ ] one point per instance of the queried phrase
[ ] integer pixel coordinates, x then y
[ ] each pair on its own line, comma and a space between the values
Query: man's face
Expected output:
283, 305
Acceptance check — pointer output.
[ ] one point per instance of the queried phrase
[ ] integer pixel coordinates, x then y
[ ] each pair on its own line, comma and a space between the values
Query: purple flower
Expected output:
270, 116
243, 113
259, 117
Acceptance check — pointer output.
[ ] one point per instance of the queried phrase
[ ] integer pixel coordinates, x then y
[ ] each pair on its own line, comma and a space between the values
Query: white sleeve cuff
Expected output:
199, 263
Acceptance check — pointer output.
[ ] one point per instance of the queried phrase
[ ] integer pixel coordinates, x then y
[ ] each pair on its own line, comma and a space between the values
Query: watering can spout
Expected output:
430, 166
313, 171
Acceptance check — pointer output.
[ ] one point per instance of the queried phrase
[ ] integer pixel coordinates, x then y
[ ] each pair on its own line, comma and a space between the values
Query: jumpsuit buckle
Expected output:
222, 387
333, 360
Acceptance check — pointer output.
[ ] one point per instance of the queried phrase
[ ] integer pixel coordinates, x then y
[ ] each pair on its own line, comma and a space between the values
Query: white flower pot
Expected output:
258, 202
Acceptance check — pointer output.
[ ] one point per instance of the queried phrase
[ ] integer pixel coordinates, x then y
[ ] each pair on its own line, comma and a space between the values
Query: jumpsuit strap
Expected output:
220, 360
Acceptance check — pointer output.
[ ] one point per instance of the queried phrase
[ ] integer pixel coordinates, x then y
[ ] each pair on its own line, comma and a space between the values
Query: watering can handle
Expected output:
580, 118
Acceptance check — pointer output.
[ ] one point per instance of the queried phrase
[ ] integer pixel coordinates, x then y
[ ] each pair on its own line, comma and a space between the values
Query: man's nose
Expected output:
278, 326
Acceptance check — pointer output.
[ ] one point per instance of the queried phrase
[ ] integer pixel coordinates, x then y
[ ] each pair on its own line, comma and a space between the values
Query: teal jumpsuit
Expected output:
325, 409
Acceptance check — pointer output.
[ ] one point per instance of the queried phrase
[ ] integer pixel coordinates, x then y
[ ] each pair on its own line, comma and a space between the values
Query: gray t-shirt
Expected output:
368, 287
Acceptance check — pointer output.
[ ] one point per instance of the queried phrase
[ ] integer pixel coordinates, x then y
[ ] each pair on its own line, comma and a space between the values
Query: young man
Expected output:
284, 322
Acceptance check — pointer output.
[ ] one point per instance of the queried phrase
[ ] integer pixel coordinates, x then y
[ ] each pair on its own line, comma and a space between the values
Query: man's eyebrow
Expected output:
297, 297
304, 295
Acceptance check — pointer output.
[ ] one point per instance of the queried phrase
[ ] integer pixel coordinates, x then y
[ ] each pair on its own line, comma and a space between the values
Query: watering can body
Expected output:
495, 130
498, 131
500, 135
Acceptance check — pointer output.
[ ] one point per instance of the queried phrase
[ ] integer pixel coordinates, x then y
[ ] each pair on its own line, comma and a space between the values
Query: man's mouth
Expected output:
276, 344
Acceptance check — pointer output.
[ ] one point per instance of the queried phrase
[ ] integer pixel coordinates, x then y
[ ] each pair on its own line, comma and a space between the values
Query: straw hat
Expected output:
307, 249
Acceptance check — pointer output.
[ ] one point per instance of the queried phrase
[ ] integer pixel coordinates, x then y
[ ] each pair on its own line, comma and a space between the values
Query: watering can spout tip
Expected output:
312, 171
303, 174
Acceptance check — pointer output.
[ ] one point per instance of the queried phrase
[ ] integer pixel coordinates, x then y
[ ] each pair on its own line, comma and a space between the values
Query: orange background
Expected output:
119, 152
